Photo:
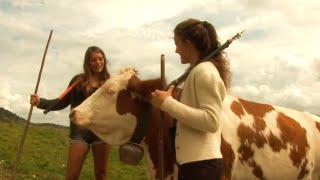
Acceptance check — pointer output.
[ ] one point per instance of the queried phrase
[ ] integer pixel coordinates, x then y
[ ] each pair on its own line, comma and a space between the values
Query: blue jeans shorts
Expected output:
85, 137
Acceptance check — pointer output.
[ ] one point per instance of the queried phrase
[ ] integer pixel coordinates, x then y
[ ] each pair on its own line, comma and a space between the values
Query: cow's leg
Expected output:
77, 155
100, 157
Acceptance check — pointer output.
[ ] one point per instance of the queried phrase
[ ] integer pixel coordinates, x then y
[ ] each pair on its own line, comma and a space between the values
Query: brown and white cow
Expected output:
259, 141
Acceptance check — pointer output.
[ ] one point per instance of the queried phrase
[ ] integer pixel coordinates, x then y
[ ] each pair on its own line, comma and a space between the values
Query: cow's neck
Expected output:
151, 140
151, 144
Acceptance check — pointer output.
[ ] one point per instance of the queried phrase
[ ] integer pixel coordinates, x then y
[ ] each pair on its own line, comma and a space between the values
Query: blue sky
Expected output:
277, 60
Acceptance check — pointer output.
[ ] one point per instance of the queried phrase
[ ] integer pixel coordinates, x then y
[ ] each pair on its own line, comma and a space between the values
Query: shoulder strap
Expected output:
67, 91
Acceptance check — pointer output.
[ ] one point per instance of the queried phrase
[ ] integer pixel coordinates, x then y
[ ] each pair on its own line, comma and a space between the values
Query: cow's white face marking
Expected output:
99, 112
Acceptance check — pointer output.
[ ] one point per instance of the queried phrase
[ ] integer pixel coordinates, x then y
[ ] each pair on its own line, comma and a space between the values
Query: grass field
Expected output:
45, 154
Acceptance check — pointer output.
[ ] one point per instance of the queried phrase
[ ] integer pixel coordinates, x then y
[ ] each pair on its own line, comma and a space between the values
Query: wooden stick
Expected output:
161, 148
19, 152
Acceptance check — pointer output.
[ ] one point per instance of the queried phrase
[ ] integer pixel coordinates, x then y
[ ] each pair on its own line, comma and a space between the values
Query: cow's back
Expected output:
269, 142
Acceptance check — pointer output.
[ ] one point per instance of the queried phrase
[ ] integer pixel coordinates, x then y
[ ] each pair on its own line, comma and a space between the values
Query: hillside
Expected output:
45, 153
8, 116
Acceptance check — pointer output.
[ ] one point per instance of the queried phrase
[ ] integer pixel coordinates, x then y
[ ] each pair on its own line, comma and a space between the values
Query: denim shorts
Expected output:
85, 137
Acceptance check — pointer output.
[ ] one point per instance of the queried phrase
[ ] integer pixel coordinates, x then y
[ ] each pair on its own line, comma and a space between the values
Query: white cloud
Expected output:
277, 57
122, 14
285, 82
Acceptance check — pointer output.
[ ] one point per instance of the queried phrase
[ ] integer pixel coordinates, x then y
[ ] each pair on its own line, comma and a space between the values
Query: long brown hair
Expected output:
205, 39
86, 76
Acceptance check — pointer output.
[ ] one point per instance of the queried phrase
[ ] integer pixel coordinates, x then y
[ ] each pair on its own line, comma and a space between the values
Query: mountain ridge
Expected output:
8, 116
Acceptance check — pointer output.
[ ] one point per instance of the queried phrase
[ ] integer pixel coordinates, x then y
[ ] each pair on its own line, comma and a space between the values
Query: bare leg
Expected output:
77, 155
100, 157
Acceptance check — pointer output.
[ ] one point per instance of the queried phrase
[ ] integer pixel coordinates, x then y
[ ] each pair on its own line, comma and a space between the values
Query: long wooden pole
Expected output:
19, 152
161, 123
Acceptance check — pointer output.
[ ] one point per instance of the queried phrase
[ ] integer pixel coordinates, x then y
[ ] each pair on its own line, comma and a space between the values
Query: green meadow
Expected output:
45, 154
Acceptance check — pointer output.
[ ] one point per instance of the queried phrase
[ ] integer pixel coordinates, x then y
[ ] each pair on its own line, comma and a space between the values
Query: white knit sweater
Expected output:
198, 114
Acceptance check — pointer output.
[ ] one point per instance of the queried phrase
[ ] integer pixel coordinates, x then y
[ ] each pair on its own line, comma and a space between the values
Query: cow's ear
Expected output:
125, 104
133, 83
137, 86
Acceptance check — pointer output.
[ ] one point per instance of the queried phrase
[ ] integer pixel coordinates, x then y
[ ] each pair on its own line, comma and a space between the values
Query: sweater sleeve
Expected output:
54, 104
57, 104
209, 92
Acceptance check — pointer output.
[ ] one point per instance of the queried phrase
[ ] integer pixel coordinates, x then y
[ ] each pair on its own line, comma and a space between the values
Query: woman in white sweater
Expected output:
198, 112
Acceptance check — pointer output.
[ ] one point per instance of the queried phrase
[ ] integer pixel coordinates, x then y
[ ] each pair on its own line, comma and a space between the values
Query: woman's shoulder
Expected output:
77, 77
207, 67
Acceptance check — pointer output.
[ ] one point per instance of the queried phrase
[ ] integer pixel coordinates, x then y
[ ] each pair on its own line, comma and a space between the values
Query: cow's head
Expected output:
112, 110
111, 113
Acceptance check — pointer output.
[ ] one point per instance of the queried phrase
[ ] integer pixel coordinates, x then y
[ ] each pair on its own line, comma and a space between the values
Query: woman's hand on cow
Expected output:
159, 96
34, 100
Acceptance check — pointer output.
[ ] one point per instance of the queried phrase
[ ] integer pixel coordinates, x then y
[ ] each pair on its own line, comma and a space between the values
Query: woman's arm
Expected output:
53, 104
210, 93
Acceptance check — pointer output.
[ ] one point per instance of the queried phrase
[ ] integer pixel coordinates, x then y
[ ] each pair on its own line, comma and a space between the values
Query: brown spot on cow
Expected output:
295, 135
228, 158
246, 135
304, 171
249, 137
318, 126
257, 171
143, 88
275, 143
126, 103
237, 109
152, 140
258, 111
292, 136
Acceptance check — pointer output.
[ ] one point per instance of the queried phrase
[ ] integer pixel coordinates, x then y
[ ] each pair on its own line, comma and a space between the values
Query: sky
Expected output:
276, 61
